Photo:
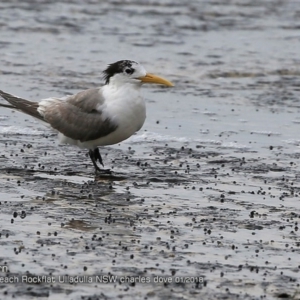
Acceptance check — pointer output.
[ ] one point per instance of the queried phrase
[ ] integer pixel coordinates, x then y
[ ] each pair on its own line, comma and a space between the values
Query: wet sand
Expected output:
204, 200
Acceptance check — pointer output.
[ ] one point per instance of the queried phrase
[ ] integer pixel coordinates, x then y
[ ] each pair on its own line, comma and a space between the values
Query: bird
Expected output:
95, 117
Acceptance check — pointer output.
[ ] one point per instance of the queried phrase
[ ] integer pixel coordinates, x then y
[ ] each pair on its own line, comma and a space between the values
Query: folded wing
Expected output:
78, 116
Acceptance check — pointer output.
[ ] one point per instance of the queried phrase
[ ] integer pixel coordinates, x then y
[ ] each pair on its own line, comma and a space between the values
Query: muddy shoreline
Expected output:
204, 200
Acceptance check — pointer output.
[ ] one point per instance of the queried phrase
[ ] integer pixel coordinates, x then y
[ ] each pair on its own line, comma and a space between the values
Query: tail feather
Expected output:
26, 106
7, 105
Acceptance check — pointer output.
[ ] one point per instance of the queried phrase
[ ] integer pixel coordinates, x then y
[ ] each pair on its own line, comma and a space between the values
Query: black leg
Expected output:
93, 158
98, 156
95, 155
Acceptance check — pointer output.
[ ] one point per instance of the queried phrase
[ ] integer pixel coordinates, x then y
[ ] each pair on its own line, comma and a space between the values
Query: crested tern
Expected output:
99, 116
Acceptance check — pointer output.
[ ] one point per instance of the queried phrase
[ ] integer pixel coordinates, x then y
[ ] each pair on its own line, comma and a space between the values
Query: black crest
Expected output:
117, 67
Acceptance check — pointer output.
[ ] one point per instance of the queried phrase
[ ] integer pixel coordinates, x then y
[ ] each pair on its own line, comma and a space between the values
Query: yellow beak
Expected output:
151, 78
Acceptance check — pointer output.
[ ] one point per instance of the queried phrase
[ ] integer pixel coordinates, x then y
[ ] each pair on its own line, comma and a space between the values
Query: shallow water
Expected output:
204, 201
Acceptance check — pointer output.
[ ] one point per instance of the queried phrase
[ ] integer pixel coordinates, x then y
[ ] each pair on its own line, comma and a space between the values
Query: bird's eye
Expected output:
128, 71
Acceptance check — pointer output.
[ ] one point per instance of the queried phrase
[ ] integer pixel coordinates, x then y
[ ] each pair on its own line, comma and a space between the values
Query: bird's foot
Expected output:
103, 171
95, 155
98, 156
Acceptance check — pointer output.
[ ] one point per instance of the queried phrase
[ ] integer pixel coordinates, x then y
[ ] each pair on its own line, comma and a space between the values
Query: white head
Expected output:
128, 71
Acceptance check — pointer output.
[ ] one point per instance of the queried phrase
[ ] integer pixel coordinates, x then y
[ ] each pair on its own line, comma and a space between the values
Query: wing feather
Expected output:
87, 100
79, 117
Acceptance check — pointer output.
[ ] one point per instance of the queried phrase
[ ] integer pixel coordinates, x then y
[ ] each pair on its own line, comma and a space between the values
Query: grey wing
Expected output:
78, 118
87, 100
